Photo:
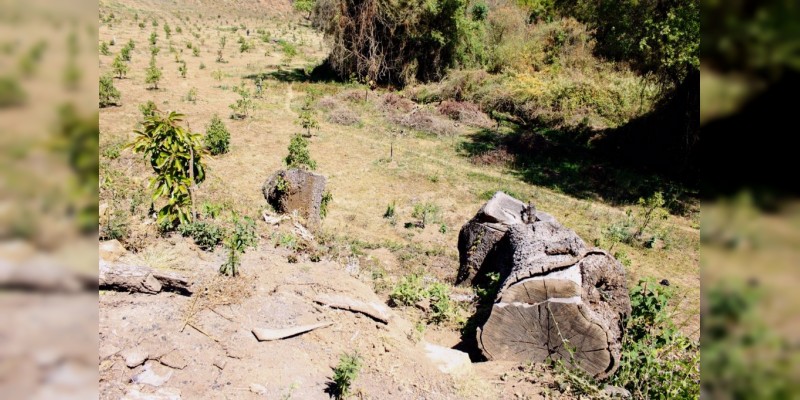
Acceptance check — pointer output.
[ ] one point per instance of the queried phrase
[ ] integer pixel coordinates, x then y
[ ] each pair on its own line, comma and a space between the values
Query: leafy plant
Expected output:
153, 74
119, 67
205, 234
191, 96
243, 105
217, 139
306, 118
390, 211
658, 361
442, 308
344, 374
148, 109
196, 51
427, 213
104, 48
408, 291
153, 39
299, 156
11, 93
182, 69
175, 154
243, 237
327, 197
109, 95
125, 53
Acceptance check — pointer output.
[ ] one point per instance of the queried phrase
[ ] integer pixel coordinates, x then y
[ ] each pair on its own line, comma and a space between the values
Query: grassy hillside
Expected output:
427, 149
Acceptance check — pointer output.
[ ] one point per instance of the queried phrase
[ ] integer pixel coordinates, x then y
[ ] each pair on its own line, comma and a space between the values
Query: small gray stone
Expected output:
135, 357
258, 389
153, 374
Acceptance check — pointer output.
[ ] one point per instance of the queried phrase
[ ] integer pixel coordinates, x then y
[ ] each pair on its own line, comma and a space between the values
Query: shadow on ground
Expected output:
566, 162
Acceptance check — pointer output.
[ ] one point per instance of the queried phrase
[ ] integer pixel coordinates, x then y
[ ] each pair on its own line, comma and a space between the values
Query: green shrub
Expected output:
442, 308
196, 52
327, 197
243, 237
299, 156
153, 74
109, 95
389, 213
427, 213
153, 39
409, 291
119, 67
11, 93
344, 374
182, 69
205, 234
125, 53
658, 361
243, 105
191, 95
148, 109
217, 139
104, 48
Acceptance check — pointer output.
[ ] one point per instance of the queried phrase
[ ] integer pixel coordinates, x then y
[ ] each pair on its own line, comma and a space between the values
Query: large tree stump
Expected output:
558, 299
296, 190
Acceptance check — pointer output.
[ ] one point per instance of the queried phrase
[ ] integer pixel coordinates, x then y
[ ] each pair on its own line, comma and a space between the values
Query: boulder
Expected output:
298, 190
449, 361
558, 298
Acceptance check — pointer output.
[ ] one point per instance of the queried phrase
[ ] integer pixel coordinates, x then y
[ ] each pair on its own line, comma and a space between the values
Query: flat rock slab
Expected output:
447, 360
134, 357
377, 311
266, 334
153, 374
160, 394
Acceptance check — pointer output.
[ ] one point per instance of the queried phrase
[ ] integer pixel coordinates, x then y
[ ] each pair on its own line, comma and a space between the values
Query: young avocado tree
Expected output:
153, 74
299, 157
175, 154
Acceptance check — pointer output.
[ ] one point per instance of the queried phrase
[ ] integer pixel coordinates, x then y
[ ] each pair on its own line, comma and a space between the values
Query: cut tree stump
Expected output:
558, 299
140, 279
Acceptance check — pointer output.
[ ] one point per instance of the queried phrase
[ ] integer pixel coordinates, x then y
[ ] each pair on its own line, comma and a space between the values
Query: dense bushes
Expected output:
377, 40
217, 139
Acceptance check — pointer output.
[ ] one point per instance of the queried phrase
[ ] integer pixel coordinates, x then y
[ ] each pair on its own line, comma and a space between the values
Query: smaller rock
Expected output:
617, 392
258, 389
173, 359
111, 250
160, 394
134, 357
449, 361
107, 350
424, 305
153, 374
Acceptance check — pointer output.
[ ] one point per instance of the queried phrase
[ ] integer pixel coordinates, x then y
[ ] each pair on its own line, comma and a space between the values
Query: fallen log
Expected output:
140, 279
266, 334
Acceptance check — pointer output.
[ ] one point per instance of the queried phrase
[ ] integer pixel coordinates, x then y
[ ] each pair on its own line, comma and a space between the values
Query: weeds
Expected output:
205, 234
344, 374
411, 290
427, 213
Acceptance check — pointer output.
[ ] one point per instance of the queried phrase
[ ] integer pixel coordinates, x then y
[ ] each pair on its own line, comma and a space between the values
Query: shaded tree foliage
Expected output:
396, 41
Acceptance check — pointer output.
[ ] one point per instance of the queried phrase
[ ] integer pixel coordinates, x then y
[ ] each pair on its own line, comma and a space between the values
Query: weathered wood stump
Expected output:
558, 299
296, 190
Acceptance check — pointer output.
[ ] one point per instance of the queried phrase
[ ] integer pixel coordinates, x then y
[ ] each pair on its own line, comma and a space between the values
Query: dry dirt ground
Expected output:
207, 340
352, 148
